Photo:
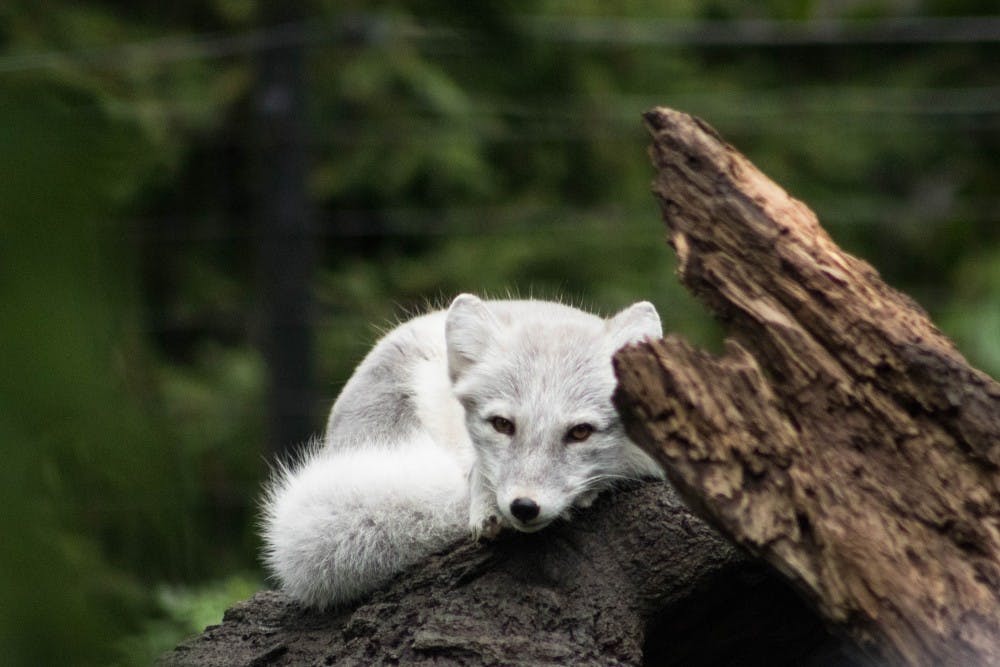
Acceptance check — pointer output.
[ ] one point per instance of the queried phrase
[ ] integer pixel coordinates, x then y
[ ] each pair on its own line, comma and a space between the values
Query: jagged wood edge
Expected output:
841, 437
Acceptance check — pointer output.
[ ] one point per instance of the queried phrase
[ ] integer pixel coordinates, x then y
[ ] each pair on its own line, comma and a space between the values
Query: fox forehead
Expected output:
552, 367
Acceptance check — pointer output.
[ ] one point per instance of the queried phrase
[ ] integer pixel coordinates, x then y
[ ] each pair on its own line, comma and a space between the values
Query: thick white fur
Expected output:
347, 522
411, 462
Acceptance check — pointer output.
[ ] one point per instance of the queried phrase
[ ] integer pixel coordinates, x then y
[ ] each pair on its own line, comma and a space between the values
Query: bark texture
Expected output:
840, 436
635, 579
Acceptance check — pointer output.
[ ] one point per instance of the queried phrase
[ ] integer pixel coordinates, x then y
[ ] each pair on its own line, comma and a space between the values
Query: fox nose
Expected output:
524, 509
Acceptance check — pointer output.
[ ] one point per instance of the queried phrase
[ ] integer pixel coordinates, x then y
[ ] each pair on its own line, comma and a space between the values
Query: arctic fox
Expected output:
491, 414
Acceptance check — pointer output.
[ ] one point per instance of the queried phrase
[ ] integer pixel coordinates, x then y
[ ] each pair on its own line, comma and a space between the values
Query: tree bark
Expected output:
841, 437
637, 579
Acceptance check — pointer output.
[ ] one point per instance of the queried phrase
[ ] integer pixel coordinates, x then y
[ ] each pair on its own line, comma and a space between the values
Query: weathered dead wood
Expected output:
635, 580
842, 438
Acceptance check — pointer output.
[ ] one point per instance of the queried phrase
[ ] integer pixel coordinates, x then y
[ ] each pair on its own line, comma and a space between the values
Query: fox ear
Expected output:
638, 321
469, 329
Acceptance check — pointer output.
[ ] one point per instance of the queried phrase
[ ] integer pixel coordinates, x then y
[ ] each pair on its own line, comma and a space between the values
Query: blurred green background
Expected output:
206, 205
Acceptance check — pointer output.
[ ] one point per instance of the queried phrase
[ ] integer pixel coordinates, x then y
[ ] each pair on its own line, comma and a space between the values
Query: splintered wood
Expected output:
841, 436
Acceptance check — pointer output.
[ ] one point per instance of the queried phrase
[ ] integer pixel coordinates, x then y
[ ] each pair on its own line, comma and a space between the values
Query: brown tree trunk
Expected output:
842, 438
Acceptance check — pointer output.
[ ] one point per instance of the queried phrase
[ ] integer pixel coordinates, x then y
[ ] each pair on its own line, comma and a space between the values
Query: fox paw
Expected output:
488, 529
486, 524
485, 519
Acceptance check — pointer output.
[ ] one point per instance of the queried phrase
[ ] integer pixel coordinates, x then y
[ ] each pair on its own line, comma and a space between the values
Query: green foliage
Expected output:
183, 611
72, 425
972, 317
492, 147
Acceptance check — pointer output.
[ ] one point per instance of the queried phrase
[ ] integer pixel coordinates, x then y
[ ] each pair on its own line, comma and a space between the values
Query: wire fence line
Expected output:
768, 32
377, 30
801, 102
972, 108
953, 109
521, 220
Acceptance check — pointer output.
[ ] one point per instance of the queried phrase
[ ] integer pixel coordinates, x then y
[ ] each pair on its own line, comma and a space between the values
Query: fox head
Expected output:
535, 379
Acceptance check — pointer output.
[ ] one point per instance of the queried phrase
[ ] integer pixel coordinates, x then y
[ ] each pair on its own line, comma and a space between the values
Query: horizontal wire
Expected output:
768, 32
372, 30
500, 221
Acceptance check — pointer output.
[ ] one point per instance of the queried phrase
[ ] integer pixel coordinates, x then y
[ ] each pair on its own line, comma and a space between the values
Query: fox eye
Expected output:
579, 433
502, 425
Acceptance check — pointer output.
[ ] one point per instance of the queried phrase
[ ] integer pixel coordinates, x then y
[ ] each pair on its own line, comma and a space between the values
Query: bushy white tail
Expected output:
342, 523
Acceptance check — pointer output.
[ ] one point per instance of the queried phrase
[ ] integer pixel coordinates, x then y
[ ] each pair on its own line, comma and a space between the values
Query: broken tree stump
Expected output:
841, 437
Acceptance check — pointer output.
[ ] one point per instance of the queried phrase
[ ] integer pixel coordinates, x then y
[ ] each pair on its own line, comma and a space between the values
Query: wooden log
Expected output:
637, 579
841, 436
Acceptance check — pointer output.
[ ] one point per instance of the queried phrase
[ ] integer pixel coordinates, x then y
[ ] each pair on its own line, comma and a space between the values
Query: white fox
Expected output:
491, 414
